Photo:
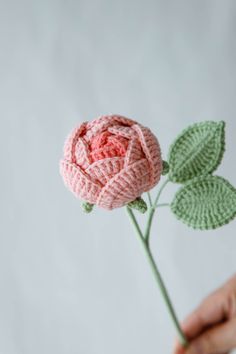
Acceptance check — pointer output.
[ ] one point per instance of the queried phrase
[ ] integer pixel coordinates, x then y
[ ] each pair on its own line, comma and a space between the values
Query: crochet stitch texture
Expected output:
110, 161
198, 150
205, 203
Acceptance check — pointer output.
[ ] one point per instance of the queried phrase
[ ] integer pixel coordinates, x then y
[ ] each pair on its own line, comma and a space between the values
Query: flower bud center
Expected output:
106, 144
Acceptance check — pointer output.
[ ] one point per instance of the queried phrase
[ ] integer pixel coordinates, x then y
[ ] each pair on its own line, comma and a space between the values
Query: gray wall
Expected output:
76, 283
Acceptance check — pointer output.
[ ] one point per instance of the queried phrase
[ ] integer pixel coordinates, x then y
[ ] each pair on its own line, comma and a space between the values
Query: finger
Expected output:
211, 311
178, 348
220, 339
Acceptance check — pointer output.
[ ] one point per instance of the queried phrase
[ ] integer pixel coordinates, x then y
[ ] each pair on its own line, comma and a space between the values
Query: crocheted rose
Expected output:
111, 161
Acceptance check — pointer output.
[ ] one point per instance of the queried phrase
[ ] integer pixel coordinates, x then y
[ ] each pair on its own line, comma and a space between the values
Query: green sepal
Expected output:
87, 207
165, 167
138, 204
205, 203
197, 151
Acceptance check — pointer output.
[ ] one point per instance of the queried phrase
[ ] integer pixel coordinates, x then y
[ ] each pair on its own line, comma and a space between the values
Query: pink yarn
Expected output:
111, 161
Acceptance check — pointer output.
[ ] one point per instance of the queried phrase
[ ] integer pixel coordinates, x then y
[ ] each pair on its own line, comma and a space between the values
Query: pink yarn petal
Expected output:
82, 153
99, 140
125, 186
103, 153
80, 184
70, 143
102, 123
151, 148
111, 161
126, 132
134, 152
104, 170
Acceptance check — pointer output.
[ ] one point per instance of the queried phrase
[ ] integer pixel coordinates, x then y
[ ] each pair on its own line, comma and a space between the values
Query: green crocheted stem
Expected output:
87, 207
153, 209
138, 204
158, 278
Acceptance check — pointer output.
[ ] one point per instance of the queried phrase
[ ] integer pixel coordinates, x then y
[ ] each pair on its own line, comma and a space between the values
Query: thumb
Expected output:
219, 339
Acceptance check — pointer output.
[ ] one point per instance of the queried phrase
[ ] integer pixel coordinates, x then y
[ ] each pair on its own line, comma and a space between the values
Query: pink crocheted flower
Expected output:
111, 161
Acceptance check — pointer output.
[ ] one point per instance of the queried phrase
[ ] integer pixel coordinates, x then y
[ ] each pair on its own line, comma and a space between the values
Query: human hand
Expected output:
211, 328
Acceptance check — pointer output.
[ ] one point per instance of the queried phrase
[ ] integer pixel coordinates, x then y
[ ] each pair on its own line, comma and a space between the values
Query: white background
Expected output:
79, 284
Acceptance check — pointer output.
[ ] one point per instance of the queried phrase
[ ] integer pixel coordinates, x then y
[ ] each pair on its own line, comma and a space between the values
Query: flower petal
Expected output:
121, 130
103, 153
125, 186
104, 170
82, 153
151, 148
70, 143
134, 152
80, 184
102, 123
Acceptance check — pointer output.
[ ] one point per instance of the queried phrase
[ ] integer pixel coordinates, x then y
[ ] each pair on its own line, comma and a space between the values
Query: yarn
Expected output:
205, 202
138, 204
197, 151
110, 161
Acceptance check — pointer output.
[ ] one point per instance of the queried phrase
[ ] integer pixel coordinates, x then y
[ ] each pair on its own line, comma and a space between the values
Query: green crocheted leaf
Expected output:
205, 202
197, 151
165, 168
138, 204
87, 207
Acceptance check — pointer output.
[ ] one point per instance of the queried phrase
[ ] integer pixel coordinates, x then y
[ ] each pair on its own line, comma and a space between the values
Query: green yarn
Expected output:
206, 202
87, 207
197, 151
165, 168
138, 204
